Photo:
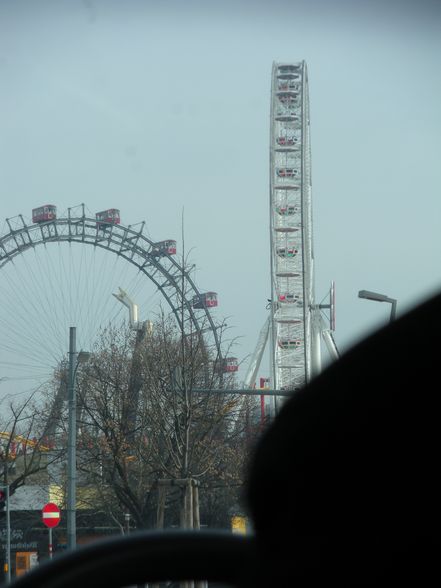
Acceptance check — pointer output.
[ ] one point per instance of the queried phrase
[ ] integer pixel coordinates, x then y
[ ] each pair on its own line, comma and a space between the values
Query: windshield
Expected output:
279, 148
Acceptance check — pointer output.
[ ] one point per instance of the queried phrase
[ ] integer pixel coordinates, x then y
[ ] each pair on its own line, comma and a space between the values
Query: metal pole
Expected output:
50, 542
244, 391
127, 521
8, 536
71, 446
393, 310
316, 358
196, 510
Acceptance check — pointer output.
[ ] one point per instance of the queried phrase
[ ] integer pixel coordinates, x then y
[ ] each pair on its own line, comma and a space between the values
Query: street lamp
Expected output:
74, 361
380, 298
127, 521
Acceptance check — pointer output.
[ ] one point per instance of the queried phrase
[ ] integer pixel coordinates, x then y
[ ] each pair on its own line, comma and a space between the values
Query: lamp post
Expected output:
4, 505
74, 361
368, 295
127, 521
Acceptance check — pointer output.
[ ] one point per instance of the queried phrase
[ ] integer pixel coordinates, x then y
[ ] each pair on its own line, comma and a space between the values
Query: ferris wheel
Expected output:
292, 281
295, 323
64, 269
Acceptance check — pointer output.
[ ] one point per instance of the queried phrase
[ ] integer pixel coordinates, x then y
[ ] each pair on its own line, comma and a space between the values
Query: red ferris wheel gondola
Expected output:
205, 300
111, 216
45, 213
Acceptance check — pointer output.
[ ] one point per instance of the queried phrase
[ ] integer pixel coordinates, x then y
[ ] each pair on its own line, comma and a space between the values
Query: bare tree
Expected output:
25, 451
179, 433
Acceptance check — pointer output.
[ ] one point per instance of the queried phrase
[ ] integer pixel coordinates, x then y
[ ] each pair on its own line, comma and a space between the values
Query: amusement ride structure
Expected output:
296, 324
64, 260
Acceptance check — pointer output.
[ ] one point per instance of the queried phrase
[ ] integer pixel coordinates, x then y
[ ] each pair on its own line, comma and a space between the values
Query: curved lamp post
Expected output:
368, 295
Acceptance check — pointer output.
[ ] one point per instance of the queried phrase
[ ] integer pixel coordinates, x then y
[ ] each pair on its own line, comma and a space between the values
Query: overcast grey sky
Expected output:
159, 107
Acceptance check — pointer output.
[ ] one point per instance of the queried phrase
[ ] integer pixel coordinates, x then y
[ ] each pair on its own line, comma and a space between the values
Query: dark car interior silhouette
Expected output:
343, 488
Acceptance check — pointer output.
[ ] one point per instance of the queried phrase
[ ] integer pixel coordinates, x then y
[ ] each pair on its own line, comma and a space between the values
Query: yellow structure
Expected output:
239, 524
24, 561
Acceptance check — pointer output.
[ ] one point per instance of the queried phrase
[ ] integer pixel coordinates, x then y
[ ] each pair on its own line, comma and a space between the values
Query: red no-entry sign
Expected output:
51, 515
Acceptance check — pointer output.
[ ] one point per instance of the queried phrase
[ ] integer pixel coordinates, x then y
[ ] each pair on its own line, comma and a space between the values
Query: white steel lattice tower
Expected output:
295, 338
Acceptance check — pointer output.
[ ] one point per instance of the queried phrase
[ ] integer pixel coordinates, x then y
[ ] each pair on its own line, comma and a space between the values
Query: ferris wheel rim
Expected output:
84, 230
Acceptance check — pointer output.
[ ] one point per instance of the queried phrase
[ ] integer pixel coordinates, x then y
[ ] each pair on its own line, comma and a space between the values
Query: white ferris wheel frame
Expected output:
294, 322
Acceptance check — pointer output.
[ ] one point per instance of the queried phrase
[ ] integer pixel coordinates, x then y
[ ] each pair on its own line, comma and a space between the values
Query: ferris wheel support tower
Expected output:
295, 326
